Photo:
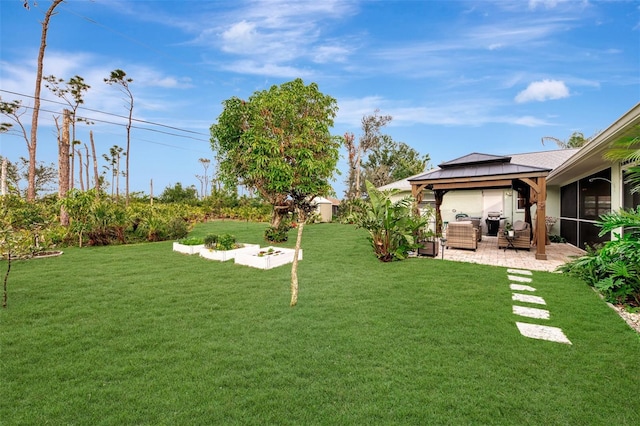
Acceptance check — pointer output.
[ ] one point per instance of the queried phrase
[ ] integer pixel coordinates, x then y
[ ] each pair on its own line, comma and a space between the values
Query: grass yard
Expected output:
143, 335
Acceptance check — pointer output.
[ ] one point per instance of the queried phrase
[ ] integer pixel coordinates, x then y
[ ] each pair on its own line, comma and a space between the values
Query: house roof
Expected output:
589, 159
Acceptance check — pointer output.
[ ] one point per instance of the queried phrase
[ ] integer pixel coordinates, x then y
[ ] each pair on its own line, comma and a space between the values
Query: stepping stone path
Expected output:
534, 331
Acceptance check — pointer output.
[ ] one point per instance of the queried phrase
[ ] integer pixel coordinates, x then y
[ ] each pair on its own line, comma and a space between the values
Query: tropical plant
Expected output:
614, 268
392, 226
628, 150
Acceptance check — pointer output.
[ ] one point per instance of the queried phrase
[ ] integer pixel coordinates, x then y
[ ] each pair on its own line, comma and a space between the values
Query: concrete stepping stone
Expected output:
519, 279
543, 332
528, 298
520, 287
518, 271
531, 312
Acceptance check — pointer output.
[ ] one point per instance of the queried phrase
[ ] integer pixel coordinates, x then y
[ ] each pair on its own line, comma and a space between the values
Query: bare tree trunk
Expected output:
63, 165
96, 176
31, 178
3, 177
294, 265
80, 171
151, 192
86, 165
72, 158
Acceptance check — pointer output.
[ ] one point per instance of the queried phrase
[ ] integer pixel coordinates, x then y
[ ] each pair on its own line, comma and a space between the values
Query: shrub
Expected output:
614, 268
392, 226
277, 235
226, 242
220, 242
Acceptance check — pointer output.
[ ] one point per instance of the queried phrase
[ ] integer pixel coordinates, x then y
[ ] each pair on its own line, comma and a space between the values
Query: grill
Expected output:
493, 223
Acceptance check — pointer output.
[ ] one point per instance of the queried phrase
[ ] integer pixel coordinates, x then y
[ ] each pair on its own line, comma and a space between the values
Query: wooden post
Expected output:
541, 227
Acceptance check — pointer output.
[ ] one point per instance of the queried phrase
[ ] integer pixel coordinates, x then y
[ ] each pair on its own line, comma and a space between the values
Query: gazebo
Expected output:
479, 171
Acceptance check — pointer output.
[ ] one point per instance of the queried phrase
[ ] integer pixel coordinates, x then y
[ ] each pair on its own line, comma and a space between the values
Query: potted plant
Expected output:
508, 229
428, 243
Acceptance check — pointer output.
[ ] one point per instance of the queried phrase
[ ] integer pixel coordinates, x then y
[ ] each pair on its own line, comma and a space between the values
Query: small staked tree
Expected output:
279, 143
119, 78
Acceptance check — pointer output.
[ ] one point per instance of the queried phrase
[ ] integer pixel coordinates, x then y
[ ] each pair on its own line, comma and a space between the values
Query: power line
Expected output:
106, 113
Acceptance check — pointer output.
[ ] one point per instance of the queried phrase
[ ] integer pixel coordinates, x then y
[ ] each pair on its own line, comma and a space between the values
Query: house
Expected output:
576, 185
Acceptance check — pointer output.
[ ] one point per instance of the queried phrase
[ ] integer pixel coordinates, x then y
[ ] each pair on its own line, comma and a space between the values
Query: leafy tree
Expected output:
392, 226
391, 161
178, 194
371, 138
17, 172
278, 143
119, 78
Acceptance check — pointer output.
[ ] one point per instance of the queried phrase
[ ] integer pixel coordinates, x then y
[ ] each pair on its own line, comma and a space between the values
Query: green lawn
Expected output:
142, 335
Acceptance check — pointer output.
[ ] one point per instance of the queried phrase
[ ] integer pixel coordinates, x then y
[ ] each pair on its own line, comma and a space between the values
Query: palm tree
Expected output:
627, 150
576, 140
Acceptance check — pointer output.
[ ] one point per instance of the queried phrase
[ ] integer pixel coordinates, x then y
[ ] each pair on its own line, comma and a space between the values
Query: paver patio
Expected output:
489, 254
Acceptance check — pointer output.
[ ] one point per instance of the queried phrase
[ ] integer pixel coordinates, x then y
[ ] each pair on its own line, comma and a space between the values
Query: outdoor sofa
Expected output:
462, 235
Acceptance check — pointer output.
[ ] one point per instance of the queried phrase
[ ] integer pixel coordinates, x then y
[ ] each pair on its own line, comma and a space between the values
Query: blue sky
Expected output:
456, 76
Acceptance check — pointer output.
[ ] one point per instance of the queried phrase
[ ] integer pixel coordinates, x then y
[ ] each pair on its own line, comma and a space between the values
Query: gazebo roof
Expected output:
477, 166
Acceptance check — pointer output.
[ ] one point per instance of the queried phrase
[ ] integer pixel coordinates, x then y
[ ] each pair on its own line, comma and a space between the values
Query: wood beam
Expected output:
471, 184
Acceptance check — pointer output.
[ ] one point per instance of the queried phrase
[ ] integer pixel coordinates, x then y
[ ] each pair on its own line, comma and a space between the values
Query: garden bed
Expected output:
267, 257
187, 249
224, 255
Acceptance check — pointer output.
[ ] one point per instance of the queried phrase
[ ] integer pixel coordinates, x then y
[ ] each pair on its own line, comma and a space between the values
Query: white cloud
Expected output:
543, 91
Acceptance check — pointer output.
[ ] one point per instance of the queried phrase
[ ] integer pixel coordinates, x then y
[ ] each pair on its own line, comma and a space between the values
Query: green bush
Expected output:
191, 241
226, 242
220, 242
614, 268
277, 235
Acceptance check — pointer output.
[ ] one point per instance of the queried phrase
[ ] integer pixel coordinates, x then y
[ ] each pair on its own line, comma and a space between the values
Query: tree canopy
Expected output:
278, 142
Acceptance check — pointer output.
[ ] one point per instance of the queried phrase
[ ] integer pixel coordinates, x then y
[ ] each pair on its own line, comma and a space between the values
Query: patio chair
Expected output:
476, 224
521, 238
462, 234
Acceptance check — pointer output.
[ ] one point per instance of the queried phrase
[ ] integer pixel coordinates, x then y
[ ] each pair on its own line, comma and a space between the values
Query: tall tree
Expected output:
279, 143
119, 78
113, 164
391, 161
72, 92
32, 146
370, 138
